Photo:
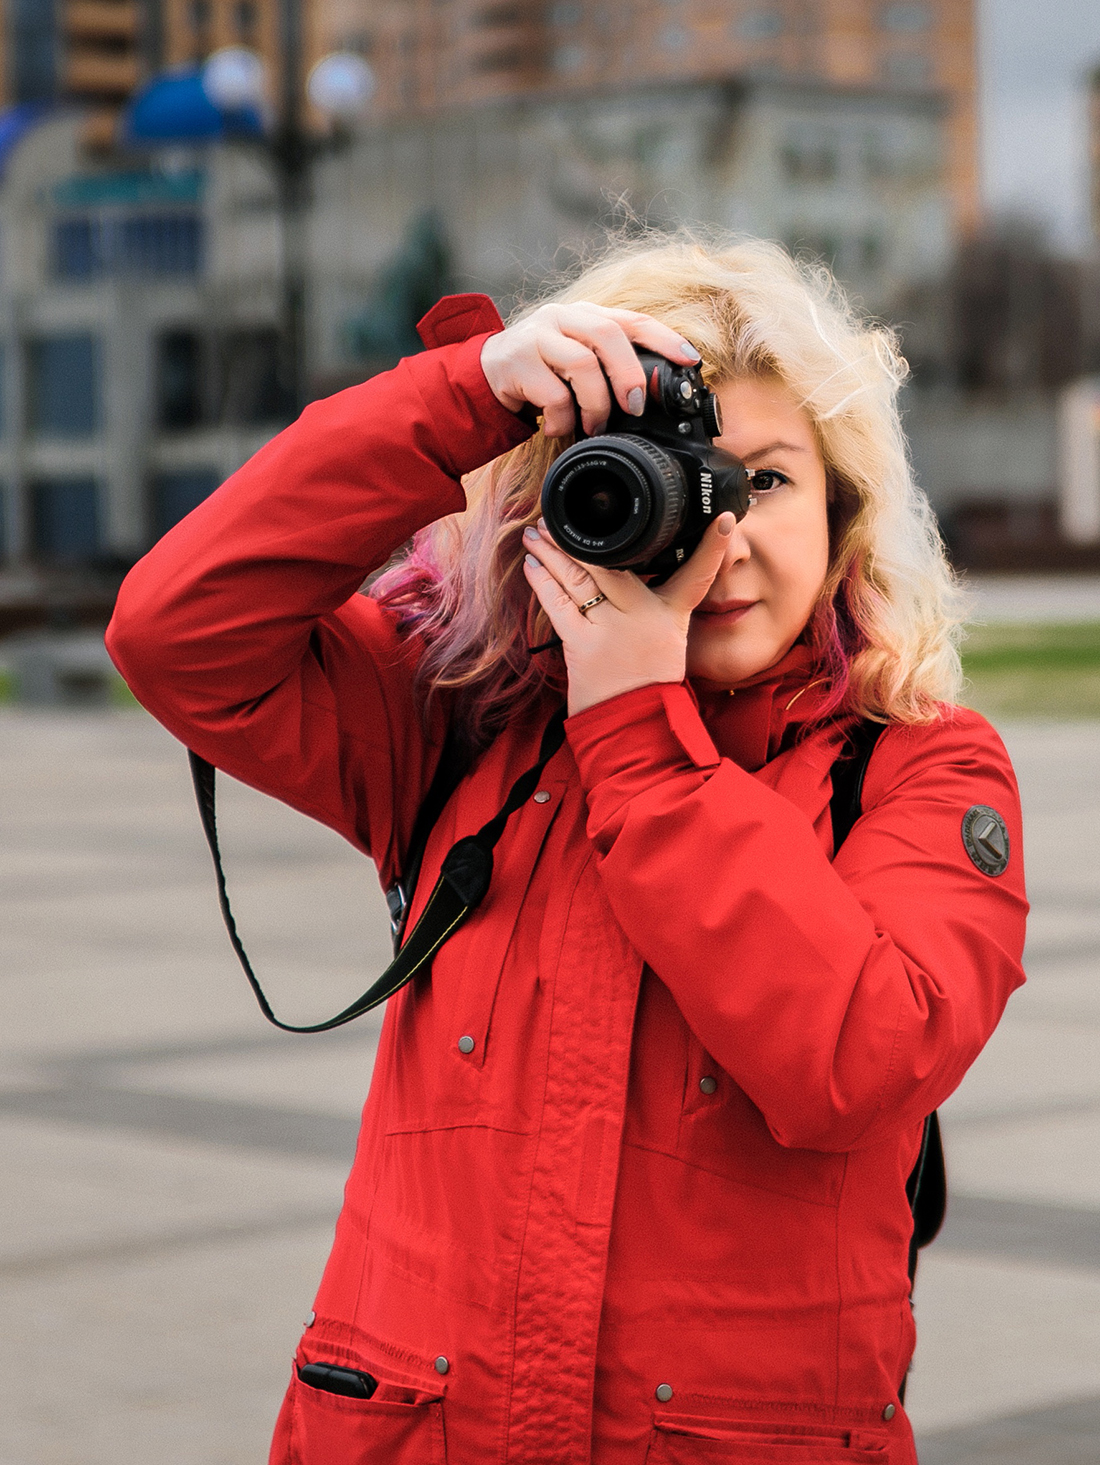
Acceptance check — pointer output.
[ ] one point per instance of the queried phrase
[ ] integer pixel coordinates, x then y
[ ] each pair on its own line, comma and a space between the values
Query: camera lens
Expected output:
597, 503
614, 500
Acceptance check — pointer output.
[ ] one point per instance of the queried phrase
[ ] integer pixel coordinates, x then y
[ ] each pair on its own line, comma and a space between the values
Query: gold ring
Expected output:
588, 604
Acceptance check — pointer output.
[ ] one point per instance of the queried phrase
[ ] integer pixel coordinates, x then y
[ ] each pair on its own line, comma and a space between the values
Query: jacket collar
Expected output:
761, 716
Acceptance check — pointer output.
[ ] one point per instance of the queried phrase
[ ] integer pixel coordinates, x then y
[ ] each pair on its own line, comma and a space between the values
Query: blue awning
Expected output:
175, 108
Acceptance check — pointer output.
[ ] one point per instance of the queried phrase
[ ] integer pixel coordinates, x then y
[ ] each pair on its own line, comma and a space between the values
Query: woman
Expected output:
630, 1181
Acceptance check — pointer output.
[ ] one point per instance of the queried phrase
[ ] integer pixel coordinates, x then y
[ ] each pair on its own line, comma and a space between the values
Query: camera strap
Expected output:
461, 887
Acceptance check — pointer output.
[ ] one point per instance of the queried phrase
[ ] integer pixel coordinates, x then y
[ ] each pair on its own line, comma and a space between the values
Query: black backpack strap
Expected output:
926, 1187
463, 881
846, 804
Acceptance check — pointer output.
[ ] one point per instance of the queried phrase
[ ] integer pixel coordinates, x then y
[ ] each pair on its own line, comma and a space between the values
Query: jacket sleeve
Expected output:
847, 1000
242, 631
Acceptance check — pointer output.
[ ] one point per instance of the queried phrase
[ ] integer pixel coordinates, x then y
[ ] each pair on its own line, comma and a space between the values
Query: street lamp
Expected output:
340, 86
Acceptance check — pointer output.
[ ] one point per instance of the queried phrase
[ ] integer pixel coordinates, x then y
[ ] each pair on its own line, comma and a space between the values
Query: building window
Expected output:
92, 246
907, 69
65, 519
810, 158
176, 494
759, 25
63, 381
245, 18
179, 380
815, 244
907, 19
32, 51
568, 59
250, 392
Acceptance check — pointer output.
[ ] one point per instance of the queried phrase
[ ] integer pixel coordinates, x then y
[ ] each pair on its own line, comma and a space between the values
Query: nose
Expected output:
738, 547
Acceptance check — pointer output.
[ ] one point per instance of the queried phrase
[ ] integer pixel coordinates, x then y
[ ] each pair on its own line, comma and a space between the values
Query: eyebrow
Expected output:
773, 448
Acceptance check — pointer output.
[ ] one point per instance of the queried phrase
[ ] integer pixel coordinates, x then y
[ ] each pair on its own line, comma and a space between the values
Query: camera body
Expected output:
641, 494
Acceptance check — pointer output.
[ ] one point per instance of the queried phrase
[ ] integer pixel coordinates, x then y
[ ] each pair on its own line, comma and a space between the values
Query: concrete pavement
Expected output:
174, 1166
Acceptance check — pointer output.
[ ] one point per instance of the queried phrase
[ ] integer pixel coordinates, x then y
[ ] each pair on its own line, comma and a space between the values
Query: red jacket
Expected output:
656, 1213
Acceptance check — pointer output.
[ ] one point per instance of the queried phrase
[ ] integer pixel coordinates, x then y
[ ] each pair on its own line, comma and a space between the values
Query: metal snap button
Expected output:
708, 1084
664, 1392
442, 1365
311, 1319
542, 797
466, 1044
889, 1412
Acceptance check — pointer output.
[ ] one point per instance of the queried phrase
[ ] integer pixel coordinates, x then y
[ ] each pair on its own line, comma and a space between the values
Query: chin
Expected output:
727, 671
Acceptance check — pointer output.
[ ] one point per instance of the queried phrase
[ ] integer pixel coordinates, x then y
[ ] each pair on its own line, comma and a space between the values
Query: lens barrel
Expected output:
615, 500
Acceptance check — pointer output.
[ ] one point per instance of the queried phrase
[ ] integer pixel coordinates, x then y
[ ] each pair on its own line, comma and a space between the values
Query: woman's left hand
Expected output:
634, 636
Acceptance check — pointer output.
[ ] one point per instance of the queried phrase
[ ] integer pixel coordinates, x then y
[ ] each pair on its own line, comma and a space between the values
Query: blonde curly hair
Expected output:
886, 624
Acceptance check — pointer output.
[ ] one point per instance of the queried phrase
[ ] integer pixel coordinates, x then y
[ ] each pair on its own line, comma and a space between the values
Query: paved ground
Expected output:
173, 1166
1035, 597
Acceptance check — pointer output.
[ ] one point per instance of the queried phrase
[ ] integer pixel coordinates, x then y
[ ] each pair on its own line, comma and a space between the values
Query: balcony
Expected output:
100, 73
102, 19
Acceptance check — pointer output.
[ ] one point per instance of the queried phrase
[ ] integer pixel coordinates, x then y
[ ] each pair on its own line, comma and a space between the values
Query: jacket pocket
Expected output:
329, 1429
691, 1439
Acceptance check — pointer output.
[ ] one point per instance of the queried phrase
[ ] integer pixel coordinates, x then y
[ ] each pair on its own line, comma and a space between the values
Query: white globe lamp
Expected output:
341, 85
233, 78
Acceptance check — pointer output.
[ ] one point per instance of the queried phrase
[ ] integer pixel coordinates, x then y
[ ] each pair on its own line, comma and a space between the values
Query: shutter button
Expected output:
542, 797
664, 1392
466, 1044
442, 1365
708, 1084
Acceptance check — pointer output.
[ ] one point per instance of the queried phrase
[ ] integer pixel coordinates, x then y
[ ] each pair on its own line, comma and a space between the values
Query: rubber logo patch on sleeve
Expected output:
985, 836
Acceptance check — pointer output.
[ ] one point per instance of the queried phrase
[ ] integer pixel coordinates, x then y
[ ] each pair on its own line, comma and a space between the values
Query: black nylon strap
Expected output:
849, 770
463, 881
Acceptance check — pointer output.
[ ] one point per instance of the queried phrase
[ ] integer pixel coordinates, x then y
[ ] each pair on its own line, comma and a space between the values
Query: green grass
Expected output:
1034, 670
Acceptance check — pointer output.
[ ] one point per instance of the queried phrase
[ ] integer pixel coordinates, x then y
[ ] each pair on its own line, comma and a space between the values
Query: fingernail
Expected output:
542, 523
529, 559
530, 532
725, 525
688, 351
635, 401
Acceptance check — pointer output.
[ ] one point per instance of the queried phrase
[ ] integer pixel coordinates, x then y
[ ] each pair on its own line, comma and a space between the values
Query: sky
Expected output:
1033, 59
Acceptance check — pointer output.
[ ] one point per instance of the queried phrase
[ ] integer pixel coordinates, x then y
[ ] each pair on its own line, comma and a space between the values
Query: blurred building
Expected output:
138, 341
141, 289
1094, 154
433, 57
93, 52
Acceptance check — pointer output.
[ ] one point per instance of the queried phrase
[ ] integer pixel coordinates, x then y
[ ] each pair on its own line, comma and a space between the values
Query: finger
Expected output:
560, 609
544, 389
684, 590
579, 365
616, 358
643, 330
575, 578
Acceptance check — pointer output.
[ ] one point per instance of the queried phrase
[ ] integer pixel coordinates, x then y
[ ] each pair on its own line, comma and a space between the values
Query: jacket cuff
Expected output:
453, 390
630, 743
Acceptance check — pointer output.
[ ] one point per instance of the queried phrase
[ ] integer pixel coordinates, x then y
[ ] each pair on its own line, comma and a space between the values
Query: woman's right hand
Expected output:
579, 346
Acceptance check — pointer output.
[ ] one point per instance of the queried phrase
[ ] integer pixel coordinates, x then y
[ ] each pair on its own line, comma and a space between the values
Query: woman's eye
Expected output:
766, 480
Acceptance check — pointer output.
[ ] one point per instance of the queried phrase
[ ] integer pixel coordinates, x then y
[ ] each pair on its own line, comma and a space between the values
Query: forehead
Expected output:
758, 412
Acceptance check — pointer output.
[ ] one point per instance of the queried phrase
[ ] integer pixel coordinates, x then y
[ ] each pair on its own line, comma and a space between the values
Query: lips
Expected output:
725, 609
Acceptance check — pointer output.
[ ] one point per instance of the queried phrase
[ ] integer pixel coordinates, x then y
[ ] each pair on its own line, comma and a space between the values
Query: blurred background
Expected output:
214, 211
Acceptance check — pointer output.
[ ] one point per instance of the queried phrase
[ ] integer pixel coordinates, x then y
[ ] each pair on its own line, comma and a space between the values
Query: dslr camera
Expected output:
641, 494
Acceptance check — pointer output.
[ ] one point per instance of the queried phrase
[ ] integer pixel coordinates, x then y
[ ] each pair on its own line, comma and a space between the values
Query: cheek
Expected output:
799, 559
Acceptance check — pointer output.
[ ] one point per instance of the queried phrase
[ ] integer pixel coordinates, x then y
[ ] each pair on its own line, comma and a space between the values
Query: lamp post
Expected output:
340, 86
